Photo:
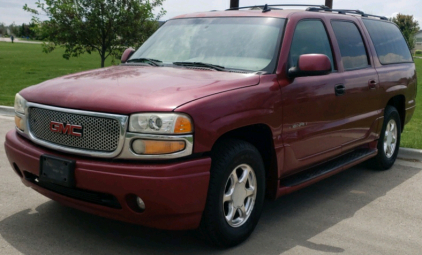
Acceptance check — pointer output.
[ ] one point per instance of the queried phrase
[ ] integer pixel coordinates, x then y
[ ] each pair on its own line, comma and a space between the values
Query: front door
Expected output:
312, 117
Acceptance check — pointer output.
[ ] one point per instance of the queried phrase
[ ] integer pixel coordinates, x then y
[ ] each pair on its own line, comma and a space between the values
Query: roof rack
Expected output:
345, 11
267, 7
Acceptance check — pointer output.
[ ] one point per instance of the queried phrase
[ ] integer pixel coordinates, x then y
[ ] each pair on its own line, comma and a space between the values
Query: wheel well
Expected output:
261, 137
399, 103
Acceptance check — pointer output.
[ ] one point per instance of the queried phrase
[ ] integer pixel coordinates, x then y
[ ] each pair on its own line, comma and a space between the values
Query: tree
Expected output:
3, 30
14, 30
95, 25
408, 26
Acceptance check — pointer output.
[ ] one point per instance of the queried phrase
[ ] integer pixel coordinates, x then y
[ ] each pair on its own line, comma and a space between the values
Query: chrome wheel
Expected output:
239, 195
390, 138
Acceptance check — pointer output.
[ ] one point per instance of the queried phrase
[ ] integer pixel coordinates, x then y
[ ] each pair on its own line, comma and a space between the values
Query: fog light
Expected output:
19, 123
140, 203
152, 147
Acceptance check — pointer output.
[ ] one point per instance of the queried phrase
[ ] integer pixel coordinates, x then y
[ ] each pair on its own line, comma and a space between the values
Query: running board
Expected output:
326, 169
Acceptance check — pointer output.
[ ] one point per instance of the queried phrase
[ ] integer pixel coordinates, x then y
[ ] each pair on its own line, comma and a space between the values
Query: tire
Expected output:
386, 157
232, 158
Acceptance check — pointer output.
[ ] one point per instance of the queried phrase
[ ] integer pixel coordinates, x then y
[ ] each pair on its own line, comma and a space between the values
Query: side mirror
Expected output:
310, 65
127, 54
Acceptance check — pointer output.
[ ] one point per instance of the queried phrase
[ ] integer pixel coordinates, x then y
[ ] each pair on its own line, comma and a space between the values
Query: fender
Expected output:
218, 114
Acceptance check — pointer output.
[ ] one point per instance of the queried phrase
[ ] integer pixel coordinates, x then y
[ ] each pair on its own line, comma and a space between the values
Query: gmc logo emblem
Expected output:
68, 129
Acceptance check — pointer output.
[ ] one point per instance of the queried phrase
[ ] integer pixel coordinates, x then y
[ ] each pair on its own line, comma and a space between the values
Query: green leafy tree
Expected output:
105, 26
34, 32
3, 30
14, 30
408, 26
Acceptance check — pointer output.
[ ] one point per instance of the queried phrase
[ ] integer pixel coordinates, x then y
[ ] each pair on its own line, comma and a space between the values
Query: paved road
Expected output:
7, 39
359, 211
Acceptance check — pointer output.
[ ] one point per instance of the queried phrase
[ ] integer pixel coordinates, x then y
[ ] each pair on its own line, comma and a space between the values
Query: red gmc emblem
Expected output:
68, 129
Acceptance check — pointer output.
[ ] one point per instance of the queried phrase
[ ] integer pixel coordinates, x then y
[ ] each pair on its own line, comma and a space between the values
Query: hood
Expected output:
131, 89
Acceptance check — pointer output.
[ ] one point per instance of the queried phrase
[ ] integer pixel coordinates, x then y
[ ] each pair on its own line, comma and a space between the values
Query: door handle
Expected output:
340, 90
372, 84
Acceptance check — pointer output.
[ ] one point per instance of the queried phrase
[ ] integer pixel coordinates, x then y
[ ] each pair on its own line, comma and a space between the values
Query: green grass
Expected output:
412, 135
24, 64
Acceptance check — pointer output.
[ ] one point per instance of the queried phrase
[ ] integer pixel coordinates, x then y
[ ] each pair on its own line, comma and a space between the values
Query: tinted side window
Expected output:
388, 41
310, 37
352, 48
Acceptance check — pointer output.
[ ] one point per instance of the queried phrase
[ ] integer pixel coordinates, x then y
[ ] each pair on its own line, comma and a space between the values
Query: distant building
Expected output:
418, 40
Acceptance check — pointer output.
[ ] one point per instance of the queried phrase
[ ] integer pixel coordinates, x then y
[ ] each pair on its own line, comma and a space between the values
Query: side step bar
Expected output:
324, 170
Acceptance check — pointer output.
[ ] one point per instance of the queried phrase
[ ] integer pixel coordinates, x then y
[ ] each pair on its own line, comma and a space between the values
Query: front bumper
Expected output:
174, 193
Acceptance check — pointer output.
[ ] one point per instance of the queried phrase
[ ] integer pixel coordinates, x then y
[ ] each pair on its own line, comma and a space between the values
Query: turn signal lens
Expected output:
19, 123
183, 125
153, 147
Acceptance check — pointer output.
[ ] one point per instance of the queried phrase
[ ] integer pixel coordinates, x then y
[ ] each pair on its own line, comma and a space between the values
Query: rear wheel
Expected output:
389, 141
235, 195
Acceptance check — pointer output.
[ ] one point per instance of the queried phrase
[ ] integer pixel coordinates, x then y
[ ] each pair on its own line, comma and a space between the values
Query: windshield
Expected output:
233, 43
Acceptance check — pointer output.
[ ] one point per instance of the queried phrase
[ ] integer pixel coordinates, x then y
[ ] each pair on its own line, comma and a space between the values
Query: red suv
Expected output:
216, 111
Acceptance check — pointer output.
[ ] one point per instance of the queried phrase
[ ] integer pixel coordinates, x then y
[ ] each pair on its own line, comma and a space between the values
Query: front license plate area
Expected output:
57, 170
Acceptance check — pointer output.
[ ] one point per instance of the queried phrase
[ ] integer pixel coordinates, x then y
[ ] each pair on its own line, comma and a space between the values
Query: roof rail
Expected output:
267, 7
345, 11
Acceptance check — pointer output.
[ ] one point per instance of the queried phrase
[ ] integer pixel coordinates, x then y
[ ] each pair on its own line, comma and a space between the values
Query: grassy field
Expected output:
412, 134
23, 65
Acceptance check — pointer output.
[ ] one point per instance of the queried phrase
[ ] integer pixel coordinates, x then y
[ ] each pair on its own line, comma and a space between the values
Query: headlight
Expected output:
20, 104
164, 123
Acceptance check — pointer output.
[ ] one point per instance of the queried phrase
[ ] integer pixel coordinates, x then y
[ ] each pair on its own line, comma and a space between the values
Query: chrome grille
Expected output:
99, 134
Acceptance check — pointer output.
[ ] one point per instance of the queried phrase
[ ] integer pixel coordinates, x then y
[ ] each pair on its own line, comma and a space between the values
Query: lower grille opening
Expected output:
84, 195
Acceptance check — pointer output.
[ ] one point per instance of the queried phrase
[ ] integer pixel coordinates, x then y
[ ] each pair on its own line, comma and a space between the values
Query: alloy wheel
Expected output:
239, 195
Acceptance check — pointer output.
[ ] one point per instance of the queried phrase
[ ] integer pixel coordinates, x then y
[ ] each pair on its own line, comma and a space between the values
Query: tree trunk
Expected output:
102, 61
329, 3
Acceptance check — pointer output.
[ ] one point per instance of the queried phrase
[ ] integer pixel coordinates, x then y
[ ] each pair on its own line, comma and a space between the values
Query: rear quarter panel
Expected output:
395, 79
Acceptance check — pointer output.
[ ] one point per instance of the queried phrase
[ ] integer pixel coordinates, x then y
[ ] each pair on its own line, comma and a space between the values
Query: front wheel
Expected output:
236, 193
389, 141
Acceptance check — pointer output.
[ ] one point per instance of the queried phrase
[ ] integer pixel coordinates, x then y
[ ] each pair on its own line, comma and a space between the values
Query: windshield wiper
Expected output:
150, 61
200, 64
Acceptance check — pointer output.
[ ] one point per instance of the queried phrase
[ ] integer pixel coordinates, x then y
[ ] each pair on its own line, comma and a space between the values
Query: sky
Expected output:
11, 10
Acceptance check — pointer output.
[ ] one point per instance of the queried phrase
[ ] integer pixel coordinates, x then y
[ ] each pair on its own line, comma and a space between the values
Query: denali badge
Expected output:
63, 128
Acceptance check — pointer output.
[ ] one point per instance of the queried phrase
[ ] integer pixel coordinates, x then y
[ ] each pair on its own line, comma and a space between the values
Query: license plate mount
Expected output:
57, 170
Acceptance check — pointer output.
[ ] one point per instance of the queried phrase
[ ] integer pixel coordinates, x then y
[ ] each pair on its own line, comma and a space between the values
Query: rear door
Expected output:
361, 99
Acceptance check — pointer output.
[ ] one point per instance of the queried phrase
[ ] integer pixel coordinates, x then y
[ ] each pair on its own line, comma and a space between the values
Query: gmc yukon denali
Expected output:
215, 112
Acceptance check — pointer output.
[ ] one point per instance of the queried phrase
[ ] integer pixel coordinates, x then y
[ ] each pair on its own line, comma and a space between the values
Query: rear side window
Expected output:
352, 48
310, 37
388, 41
